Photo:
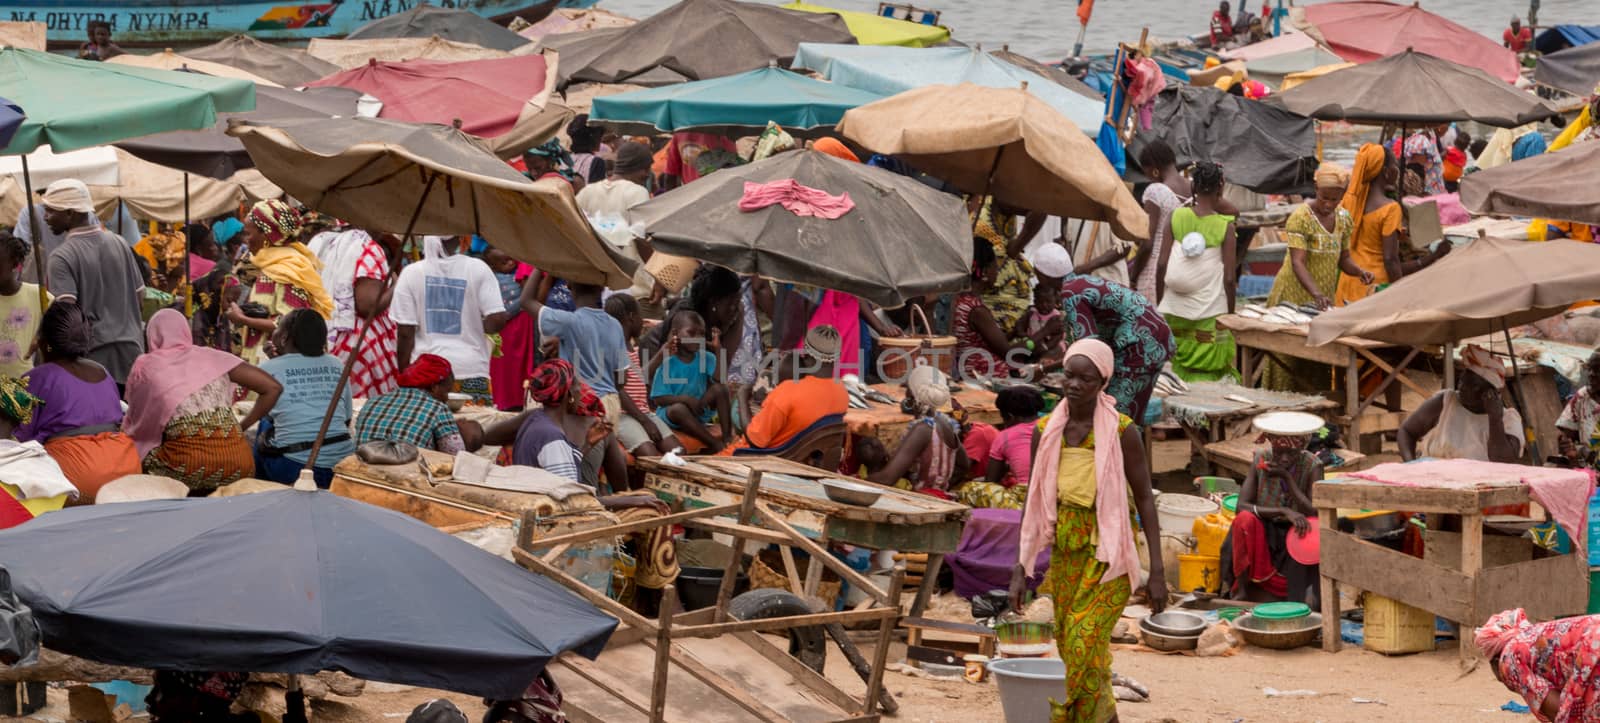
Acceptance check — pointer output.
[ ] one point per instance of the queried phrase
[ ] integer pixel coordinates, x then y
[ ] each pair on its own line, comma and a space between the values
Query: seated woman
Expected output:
417, 413
930, 456
308, 375
1009, 462
797, 404
1275, 503
1468, 422
180, 407
79, 420
981, 343
28, 472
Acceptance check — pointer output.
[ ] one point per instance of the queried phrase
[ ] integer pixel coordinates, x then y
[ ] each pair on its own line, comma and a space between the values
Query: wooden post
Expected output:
1327, 521
730, 574
658, 688
814, 571
1352, 400
1471, 564
1450, 365
930, 578
880, 654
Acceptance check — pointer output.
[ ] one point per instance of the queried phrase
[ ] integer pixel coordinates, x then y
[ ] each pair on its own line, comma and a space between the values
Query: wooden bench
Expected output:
969, 634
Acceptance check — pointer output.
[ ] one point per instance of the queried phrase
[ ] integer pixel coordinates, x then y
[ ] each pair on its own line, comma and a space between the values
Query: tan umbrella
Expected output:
155, 193
349, 54
1550, 185
168, 60
1002, 142
289, 67
1481, 288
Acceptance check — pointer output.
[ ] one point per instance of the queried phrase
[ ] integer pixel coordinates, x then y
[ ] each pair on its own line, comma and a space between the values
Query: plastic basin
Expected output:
1027, 685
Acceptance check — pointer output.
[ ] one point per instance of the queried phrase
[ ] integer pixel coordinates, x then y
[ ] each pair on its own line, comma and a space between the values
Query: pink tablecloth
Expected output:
1564, 492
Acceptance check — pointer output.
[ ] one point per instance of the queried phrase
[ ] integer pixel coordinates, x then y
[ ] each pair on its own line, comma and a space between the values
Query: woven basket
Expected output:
762, 576
901, 353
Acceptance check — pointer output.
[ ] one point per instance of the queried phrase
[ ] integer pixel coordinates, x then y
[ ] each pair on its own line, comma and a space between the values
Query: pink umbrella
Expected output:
1365, 30
505, 101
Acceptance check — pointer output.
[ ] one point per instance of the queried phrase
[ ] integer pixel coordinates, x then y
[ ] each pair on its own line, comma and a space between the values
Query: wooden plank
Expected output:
814, 572
909, 506
1396, 575
1326, 521
732, 691
595, 597
1393, 374
624, 635
728, 527
930, 580
790, 569
626, 528
947, 626
1471, 564
1547, 589
880, 653
1364, 495
943, 536
603, 680
821, 555
730, 573
711, 630
811, 679
658, 683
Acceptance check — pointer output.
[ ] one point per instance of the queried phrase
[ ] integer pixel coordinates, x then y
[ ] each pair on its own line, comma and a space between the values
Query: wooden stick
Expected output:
720, 683
819, 554
784, 623
596, 598
880, 654
802, 674
658, 687
603, 680
795, 585
730, 573
626, 528
729, 527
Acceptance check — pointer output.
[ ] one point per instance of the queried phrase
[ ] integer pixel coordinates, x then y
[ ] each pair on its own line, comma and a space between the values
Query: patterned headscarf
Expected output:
277, 220
1481, 362
425, 372
1499, 630
555, 379
15, 401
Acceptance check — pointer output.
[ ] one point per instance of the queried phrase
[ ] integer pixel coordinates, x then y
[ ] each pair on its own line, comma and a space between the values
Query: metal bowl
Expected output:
1284, 639
458, 400
851, 493
1174, 623
1169, 643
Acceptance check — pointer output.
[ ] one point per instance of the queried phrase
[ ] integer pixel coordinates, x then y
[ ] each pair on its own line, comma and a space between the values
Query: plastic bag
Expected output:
19, 632
384, 452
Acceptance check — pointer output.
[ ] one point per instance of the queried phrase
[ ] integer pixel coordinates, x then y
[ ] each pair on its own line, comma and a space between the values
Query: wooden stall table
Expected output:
1258, 340
889, 424
1467, 593
1215, 415
899, 520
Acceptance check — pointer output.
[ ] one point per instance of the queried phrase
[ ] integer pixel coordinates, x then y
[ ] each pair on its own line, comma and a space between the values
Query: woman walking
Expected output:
1198, 283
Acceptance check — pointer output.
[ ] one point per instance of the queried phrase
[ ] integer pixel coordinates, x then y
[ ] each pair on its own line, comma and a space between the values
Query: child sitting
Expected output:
641, 433
1044, 325
686, 388
1009, 462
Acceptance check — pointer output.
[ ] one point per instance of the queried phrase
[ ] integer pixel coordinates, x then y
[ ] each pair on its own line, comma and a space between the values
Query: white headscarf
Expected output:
929, 388
1053, 260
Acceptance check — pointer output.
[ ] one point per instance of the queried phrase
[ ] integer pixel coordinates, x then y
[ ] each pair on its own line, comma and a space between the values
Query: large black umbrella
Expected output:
1266, 149
1575, 70
695, 39
902, 239
1413, 88
288, 67
212, 152
292, 582
426, 20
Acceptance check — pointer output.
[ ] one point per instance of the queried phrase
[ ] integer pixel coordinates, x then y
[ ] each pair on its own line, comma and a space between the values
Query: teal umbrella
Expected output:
743, 101
74, 104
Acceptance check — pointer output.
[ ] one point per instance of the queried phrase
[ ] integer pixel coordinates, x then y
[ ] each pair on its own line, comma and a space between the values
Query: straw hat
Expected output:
1288, 424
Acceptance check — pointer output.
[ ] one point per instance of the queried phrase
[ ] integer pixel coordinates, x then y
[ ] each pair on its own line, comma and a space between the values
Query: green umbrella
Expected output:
735, 103
74, 104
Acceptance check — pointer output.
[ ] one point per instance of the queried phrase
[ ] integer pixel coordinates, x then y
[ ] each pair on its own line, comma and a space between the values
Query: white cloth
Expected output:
446, 299
33, 471
1053, 260
483, 473
606, 203
1194, 286
1460, 434
339, 253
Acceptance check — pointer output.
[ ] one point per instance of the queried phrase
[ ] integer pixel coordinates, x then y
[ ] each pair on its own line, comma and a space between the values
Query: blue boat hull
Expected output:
155, 22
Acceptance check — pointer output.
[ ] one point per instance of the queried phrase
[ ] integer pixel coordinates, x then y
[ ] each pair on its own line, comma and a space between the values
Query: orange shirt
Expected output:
791, 407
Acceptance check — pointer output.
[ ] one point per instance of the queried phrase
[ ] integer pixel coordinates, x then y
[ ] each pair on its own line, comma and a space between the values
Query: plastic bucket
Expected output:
1199, 572
1177, 512
1027, 685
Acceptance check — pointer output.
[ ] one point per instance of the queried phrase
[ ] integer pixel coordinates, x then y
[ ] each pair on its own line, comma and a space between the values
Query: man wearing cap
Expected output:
797, 404
606, 203
123, 225
96, 267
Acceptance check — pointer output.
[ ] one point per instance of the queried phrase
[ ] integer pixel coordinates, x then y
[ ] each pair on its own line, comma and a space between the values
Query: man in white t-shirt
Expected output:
447, 304
606, 203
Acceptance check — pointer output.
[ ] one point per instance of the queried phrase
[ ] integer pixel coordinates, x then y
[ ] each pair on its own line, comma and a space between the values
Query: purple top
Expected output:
68, 403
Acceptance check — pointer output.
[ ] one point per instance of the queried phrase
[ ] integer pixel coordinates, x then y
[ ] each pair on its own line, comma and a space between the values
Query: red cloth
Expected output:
1221, 27
425, 371
980, 438
486, 95
1519, 42
1252, 558
797, 199
1364, 30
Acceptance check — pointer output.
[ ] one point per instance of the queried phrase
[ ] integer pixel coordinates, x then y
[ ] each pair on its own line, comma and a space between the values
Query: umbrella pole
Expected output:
361, 333
1516, 395
188, 291
37, 234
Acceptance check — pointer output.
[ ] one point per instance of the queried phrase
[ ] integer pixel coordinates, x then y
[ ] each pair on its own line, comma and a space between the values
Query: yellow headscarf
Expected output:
1368, 166
1332, 175
294, 264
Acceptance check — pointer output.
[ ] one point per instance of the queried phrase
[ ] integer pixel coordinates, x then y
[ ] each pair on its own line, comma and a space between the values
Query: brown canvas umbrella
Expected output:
347, 54
1550, 185
287, 67
1414, 88
697, 39
1481, 288
1002, 142
168, 60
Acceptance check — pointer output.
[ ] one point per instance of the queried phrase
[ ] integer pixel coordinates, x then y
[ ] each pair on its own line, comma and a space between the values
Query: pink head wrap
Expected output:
1499, 630
1117, 548
163, 377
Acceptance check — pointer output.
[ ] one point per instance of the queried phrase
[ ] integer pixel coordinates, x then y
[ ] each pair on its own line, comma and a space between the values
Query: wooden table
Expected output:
1258, 340
889, 424
1211, 419
899, 520
1547, 588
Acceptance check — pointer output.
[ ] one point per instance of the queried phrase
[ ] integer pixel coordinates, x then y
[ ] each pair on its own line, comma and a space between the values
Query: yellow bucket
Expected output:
1199, 572
1209, 532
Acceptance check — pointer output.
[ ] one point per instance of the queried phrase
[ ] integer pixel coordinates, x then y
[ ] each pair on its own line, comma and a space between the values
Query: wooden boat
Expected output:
156, 22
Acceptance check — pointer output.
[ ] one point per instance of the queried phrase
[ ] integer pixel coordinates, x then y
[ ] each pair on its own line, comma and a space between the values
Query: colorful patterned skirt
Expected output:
1086, 611
1204, 351
204, 451
993, 495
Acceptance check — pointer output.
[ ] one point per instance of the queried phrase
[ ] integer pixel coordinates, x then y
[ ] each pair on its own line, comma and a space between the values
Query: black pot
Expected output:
697, 586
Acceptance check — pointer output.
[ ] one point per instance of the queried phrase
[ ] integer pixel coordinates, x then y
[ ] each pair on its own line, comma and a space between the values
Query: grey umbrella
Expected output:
212, 152
695, 39
425, 20
902, 239
1413, 88
288, 67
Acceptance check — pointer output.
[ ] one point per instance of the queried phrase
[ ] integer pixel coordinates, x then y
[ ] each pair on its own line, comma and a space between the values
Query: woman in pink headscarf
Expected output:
1553, 666
1088, 461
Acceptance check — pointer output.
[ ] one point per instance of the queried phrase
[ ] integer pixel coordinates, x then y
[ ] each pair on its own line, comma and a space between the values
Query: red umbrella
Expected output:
1365, 30
505, 101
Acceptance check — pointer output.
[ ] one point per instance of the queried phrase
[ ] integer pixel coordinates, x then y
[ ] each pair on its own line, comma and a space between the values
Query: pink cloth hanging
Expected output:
799, 200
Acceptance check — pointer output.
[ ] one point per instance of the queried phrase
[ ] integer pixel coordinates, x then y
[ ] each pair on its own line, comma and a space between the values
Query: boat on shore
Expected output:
169, 22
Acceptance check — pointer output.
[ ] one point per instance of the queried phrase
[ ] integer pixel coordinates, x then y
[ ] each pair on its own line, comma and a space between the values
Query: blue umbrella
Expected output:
747, 100
292, 582
888, 70
11, 116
